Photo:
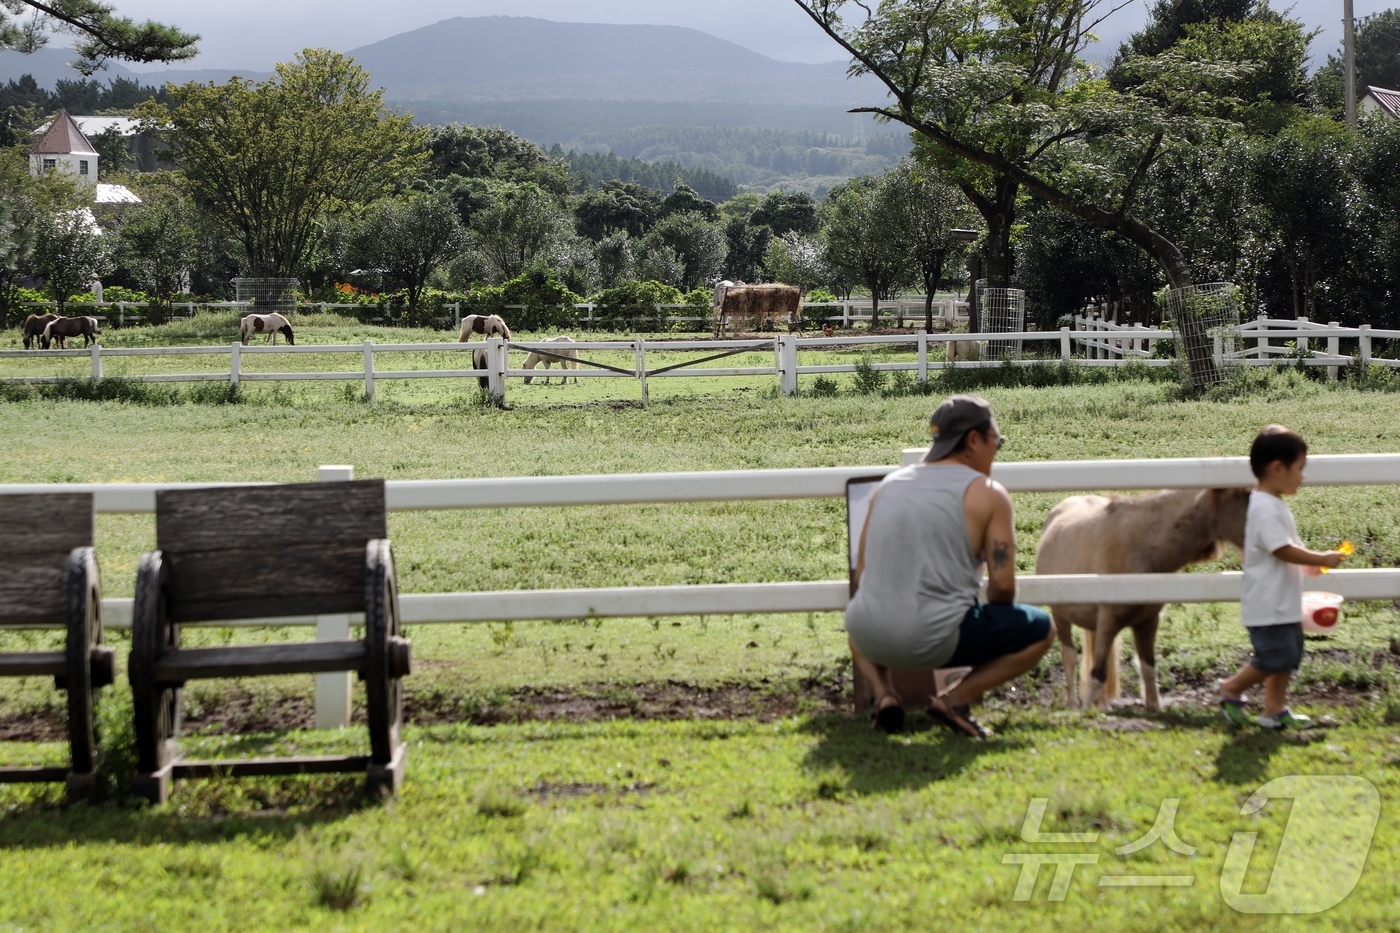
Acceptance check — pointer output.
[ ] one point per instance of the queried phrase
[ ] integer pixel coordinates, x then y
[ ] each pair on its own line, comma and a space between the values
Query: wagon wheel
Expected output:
89, 665
386, 653
156, 705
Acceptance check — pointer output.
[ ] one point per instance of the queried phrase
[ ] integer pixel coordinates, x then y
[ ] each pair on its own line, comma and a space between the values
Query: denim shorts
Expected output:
1277, 648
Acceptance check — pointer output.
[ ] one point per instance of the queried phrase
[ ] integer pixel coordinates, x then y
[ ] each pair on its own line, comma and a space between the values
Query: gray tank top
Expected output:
920, 578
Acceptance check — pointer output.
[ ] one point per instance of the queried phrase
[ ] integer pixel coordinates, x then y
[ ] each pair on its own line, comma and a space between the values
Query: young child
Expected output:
1271, 604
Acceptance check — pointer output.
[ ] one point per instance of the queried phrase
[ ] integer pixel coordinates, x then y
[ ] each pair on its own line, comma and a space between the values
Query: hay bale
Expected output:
753, 305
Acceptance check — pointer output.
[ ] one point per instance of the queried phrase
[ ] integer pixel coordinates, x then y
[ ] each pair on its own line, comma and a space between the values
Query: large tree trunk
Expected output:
998, 210
932, 274
873, 283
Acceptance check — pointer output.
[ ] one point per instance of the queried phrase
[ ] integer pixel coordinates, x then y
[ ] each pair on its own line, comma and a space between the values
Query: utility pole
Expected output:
1349, 59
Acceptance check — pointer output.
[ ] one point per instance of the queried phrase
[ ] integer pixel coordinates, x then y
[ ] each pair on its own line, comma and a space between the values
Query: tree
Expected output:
746, 244
70, 251
931, 208
787, 213
159, 243
684, 200
522, 226
1301, 183
617, 206
112, 154
102, 34
410, 238
1377, 52
698, 245
796, 259
1001, 86
616, 260
273, 159
863, 238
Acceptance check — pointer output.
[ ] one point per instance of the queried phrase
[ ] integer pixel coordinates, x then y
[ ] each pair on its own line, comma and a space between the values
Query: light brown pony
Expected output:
60, 329
1159, 533
487, 325
534, 359
34, 328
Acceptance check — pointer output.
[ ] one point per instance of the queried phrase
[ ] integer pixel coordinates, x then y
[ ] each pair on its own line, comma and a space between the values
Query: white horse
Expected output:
487, 325
268, 324
565, 365
965, 350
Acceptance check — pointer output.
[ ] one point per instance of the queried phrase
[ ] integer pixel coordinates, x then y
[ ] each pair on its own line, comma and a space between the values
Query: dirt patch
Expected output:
46, 726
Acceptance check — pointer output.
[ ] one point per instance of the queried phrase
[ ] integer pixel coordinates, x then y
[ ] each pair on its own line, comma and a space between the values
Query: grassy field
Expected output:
678, 773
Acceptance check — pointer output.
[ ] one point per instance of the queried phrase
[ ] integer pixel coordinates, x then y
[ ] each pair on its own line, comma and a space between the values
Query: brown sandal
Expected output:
957, 719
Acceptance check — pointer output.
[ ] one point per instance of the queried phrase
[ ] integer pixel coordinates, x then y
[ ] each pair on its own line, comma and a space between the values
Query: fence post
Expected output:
1302, 341
1064, 345
369, 370
641, 349
1334, 348
923, 355
1365, 347
1263, 342
787, 357
333, 689
97, 361
1217, 353
189, 307
845, 314
121, 314
496, 373
456, 315
235, 363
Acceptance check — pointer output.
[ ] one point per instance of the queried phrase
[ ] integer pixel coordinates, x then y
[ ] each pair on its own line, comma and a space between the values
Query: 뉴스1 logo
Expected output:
1319, 861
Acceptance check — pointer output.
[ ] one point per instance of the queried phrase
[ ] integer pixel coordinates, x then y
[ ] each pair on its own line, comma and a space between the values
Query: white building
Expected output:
64, 148
1380, 100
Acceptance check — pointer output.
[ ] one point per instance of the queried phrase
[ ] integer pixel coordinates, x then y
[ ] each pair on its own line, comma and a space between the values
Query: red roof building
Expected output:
64, 148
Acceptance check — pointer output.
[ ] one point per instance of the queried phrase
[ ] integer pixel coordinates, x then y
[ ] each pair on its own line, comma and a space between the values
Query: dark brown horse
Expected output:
34, 328
62, 328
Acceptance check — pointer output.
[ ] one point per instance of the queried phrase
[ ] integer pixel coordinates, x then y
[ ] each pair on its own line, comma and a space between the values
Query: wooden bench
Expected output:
257, 552
48, 578
912, 686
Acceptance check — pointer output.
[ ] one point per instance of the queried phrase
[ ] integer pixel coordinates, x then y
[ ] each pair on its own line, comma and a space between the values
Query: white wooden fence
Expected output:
764, 598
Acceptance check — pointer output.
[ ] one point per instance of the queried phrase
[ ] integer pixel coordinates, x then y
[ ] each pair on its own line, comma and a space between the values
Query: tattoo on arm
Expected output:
1001, 553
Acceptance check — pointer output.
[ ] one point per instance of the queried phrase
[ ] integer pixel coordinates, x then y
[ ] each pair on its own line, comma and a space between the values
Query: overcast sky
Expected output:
255, 34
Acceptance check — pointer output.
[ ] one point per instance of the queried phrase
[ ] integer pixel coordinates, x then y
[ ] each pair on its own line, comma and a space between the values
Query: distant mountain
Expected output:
50, 65
510, 58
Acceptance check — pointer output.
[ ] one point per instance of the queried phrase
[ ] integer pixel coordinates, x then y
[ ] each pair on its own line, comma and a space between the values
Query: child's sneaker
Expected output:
1286, 719
1230, 707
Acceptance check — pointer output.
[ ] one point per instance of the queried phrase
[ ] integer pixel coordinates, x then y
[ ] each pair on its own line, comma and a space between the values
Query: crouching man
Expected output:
930, 529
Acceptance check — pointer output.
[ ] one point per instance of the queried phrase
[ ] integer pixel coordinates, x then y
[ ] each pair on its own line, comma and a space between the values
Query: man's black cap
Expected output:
952, 419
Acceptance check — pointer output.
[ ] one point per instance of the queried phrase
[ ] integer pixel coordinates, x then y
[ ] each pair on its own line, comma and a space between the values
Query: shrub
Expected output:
822, 387
624, 305
338, 887
868, 380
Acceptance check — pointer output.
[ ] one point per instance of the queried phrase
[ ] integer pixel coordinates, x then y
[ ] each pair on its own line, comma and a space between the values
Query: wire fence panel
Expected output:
1205, 321
1003, 312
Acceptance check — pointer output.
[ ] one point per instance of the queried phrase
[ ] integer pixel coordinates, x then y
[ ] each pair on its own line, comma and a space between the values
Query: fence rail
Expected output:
784, 597
1104, 344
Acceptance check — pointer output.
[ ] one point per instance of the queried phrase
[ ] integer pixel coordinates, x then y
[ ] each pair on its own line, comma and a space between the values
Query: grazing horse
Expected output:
60, 329
487, 325
1160, 533
479, 362
534, 359
965, 350
34, 328
269, 324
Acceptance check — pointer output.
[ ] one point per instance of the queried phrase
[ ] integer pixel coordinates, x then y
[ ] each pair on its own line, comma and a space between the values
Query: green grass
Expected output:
788, 817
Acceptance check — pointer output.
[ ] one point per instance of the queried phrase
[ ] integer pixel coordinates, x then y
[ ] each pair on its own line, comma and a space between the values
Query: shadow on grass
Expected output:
1244, 760
874, 764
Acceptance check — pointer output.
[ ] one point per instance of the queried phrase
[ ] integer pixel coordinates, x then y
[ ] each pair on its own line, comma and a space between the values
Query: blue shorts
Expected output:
1278, 649
994, 630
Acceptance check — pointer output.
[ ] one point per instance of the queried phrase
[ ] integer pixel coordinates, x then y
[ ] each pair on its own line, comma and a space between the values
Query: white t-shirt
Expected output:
1273, 589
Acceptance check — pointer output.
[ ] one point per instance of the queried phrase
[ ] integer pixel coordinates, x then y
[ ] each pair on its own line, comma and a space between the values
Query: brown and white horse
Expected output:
1160, 533
571, 362
60, 329
268, 324
487, 325
34, 328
